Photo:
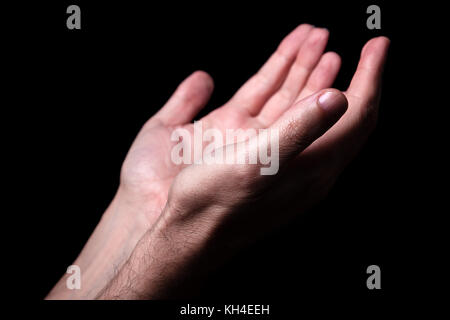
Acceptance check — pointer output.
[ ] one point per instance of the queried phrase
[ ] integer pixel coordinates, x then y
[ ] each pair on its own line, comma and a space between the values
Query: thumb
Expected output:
307, 120
189, 98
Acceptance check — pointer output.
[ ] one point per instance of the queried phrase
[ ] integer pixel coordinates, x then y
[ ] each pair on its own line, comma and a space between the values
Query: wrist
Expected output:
171, 259
122, 225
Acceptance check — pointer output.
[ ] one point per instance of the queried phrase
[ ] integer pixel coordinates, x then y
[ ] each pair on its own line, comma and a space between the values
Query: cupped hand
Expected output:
317, 137
296, 69
213, 208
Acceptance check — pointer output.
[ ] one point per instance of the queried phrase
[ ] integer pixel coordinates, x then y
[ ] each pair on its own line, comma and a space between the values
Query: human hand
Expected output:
221, 205
295, 70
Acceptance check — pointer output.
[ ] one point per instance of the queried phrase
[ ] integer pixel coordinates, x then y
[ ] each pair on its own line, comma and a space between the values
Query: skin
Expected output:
168, 221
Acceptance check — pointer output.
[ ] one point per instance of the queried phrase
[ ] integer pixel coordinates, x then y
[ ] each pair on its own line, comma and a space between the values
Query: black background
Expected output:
84, 94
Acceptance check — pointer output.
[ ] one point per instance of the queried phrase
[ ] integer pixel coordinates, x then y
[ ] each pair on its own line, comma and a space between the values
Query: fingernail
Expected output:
332, 102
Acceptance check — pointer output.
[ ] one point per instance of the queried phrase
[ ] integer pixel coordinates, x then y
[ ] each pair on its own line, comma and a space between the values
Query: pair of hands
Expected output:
169, 223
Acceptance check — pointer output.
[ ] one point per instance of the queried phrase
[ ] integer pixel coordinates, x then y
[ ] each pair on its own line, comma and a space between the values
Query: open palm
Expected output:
297, 69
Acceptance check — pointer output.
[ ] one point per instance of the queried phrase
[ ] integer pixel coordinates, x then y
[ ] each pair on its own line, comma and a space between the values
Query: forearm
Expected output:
171, 259
108, 248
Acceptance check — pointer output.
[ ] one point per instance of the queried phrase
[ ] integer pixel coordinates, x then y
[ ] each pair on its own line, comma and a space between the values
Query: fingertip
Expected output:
332, 59
333, 102
203, 77
187, 100
307, 25
318, 35
375, 44
374, 54
301, 29
304, 26
384, 43
292, 42
298, 33
384, 39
